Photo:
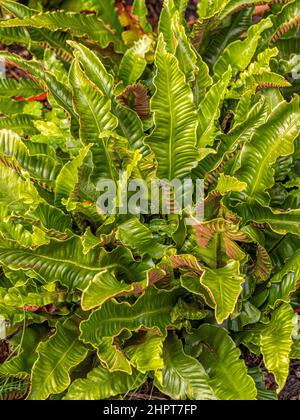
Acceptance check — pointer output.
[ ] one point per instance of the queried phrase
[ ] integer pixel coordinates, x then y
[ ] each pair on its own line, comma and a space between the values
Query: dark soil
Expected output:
155, 6
147, 392
291, 391
11, 70
4, 350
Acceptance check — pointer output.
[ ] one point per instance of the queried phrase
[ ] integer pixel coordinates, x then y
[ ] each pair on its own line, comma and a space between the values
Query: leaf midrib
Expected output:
75, 264
108, 158
75, 342
141, 314
171, 131
267, 156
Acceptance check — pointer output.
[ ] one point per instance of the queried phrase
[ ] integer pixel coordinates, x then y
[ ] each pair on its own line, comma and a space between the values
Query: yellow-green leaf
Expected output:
276, 343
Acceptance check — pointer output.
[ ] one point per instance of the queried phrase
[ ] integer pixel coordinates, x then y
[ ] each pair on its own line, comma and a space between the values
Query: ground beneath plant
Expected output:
291, 390
4, 350
148, 391
155, 6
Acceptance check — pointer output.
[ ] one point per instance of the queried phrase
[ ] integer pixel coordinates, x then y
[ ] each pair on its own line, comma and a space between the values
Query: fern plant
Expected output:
94, 304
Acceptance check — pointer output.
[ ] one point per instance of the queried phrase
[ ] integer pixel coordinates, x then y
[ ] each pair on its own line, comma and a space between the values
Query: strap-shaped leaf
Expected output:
130, 126
102, 384
207, 8
240, 23
62, 352
221, 359
177, 42
238, 54
113, 357
50, 218
266, 79
78, 24
185, 53
21, 123
23, 87
202, 82
292, 266
270, 141
93, 109
94, 69
185, 261
181, 6
92, 106
146, 355
133, 62
240, 133
285, 282
45, 168
20, 233
135, 235
61, 93
68, 178
183, 377
225, 287
15, 35
65, 262
263, 265
102, 287
9, 106
209, 111
17, 9
191, 311
17, 191
229, 183
22, 362
32, 295
107, 11
288, 46
276, 343
58, 261
232, 6
140, 10
46, 221
282, 291
173, 139
165, 25
281, 222
192, 283
13, 278
56, 40
287, 19
152, 311
216, 242
105, 285
295, 353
